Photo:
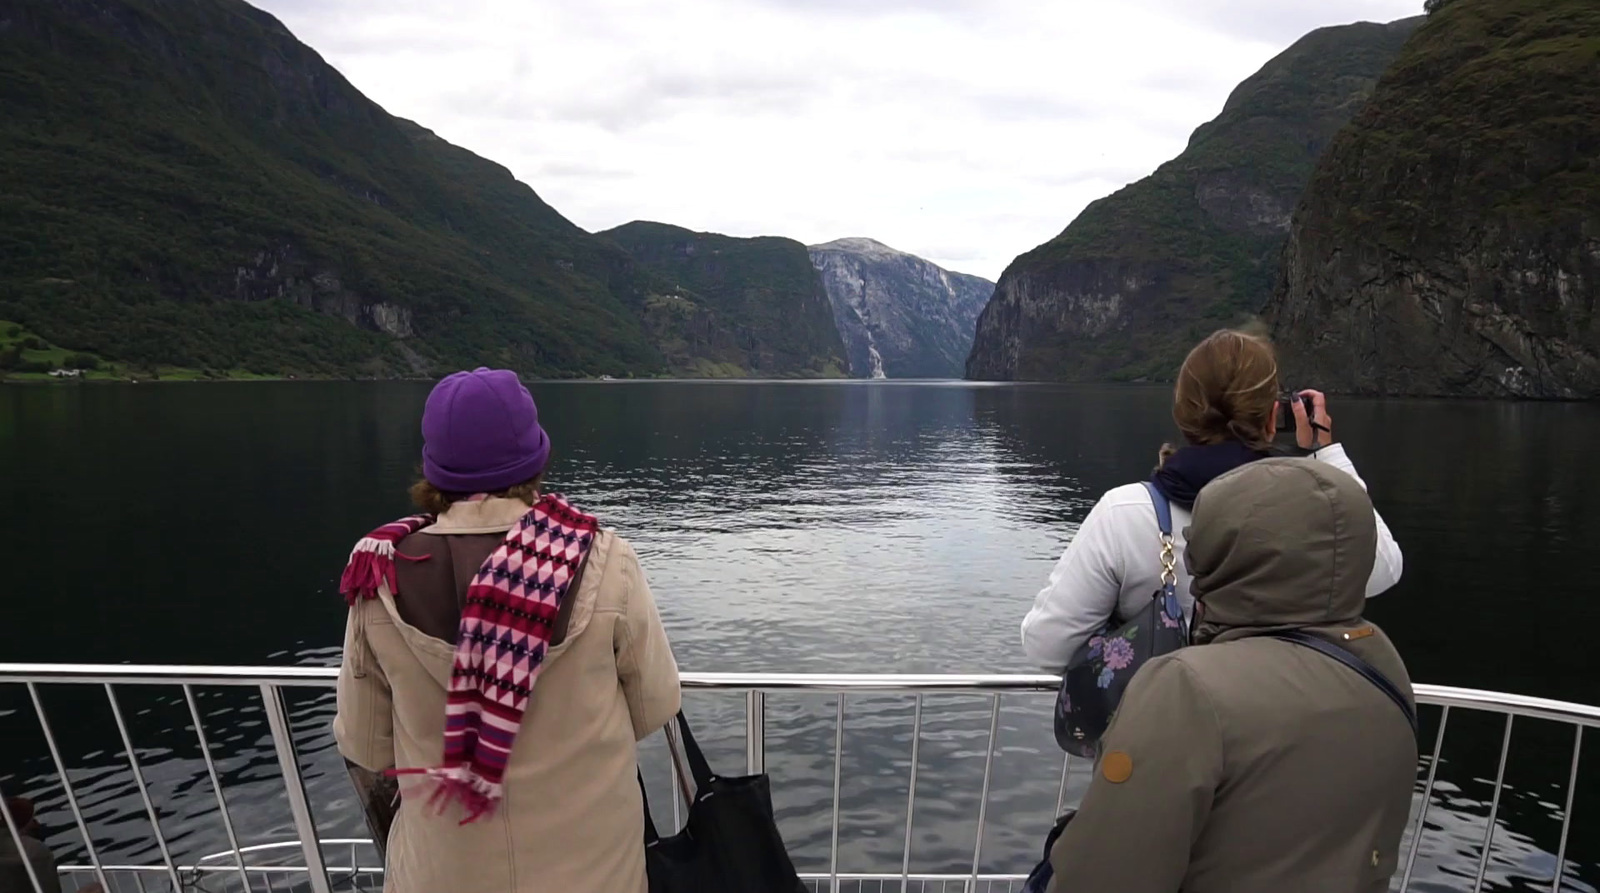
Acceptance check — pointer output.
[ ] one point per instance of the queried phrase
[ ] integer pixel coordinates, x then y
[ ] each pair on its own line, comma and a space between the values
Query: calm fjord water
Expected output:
808, 527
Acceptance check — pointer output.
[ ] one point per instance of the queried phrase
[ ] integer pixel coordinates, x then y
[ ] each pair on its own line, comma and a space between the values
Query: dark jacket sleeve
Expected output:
1134, 831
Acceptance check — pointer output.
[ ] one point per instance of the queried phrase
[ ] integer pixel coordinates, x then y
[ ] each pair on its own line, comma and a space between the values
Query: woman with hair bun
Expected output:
1226, 405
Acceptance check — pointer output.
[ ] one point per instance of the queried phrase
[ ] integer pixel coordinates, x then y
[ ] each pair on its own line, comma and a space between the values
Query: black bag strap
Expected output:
651, 836
1367, 671
703, 776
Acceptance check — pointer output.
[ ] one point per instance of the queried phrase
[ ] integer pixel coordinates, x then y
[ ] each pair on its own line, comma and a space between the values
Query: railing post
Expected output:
1494, 805
1566, 815
299, 804
983, 798
1427, 795
838, 768
911, 794
755, 732
66, 786
216, 784
1061, 795
144, 790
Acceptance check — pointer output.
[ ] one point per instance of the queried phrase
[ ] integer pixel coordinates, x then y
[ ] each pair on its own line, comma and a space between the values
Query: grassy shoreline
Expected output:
27, 358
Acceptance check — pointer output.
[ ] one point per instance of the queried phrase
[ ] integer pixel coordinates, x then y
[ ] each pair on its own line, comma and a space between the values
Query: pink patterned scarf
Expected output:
510, 610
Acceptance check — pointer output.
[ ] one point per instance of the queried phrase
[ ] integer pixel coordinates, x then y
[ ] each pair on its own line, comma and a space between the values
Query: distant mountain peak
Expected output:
863, 246
900, 316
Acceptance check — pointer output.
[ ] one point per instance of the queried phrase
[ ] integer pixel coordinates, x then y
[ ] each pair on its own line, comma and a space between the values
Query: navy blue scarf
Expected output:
1189, 469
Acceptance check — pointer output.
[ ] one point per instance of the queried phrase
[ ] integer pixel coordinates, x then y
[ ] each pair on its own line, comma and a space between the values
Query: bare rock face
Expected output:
1237, 205
900, 316
1141, 275
285, 273
1449, 243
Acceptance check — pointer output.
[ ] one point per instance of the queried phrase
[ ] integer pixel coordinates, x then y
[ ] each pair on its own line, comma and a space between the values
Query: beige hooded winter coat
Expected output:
1247, 764
570, 820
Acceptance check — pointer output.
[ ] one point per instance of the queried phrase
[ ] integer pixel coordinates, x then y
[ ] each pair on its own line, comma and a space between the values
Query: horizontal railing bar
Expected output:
831, 683
1508, 703
221, 869
926, 878
285, 845
821, 683
170, 674
375, 869
888, 683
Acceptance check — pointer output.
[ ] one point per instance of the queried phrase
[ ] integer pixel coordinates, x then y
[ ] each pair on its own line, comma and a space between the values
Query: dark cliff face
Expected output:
1449, 243
1140, 275
900, 316
186, 183
730, 307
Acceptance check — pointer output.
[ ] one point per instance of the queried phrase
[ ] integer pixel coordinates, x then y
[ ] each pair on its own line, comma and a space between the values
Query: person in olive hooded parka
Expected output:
1245, 763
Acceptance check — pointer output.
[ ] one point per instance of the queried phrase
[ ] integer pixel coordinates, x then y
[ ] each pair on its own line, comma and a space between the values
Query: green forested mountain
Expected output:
1449, 242
735, 307
1140, 275
185, 183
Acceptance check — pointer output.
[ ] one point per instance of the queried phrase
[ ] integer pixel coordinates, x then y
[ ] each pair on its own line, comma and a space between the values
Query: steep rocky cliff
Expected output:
1449, 243
186, 183
733, 307
900, 316
1140, 275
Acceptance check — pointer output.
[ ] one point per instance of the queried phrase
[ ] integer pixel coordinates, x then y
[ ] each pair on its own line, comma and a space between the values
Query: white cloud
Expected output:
968, 131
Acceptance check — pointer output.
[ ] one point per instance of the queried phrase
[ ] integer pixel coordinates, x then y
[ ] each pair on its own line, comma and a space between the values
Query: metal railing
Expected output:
271, 682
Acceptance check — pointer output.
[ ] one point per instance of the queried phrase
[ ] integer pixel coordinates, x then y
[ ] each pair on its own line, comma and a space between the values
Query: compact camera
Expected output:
1286, 411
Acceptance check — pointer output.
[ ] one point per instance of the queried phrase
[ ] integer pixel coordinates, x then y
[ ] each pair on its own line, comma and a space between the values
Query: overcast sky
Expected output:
965, 131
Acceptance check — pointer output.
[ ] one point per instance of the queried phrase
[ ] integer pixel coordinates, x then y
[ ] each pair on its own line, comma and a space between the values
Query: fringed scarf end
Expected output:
477, 796
372, 560
371, 565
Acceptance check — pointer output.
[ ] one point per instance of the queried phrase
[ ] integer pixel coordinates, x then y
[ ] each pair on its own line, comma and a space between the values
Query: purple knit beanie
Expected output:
481, 433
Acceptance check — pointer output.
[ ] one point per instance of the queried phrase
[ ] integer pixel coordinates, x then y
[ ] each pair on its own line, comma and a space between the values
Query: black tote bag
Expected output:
730, 843
1094, 681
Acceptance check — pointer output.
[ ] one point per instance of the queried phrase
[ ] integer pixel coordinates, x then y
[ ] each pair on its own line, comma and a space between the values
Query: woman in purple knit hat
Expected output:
503, 657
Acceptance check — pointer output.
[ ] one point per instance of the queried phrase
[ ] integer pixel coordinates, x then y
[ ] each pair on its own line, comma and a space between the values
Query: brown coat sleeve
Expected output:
1135, 829
645, 666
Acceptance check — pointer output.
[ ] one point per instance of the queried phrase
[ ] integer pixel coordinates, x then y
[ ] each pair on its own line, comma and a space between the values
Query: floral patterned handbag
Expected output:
1094, 681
